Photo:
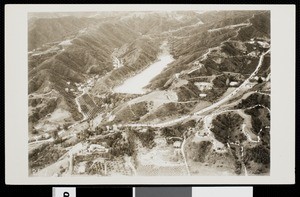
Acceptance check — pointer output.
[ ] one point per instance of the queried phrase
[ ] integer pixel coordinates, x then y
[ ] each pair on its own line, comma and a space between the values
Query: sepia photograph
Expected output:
119, 94
148, 93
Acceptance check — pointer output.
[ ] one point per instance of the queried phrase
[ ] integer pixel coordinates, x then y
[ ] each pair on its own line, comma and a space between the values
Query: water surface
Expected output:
136, 84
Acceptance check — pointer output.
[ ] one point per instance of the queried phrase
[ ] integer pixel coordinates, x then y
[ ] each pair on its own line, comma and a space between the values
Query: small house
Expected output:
97, 147
202, 95
177, 144
233, 83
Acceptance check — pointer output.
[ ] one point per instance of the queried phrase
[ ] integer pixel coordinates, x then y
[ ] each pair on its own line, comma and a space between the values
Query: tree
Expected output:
58, 140
65, 126
55, 133
34, 131
99, 130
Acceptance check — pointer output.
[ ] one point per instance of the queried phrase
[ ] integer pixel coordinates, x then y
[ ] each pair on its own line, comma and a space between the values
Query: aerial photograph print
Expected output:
149, 93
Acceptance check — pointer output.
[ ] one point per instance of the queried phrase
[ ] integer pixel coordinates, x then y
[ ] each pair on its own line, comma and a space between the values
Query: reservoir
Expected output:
136, 84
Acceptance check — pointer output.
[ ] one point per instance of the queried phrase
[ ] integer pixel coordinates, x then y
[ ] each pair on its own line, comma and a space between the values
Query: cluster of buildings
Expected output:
204, 85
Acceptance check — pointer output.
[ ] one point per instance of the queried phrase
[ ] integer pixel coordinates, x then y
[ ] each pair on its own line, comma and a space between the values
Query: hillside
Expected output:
44, 30
149, 93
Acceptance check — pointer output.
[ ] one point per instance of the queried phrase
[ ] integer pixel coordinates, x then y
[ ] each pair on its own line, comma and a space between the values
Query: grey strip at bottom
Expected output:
163, 192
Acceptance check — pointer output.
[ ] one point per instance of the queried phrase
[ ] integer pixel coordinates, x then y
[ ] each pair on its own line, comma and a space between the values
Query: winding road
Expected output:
79, 107
183, 154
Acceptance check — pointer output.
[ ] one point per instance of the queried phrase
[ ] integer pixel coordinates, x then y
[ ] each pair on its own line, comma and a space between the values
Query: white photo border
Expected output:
282, 99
